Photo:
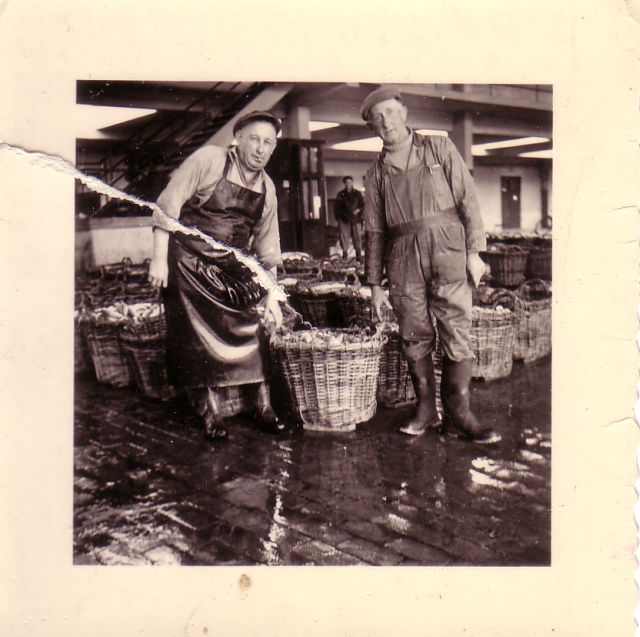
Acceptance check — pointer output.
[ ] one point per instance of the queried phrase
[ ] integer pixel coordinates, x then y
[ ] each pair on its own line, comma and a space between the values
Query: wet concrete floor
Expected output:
148, 489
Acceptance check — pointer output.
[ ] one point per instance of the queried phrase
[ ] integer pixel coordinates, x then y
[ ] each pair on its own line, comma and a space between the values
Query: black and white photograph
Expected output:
393, 405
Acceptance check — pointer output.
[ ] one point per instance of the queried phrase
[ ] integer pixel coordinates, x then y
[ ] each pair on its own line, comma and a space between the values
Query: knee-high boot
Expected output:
458, 417
422, 375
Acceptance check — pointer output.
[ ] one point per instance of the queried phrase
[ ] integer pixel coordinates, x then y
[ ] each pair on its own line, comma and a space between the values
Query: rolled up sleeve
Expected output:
464, 193
185, 181
266, 238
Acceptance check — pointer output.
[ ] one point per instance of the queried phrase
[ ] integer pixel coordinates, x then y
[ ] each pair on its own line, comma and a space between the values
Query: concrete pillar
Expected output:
462, 135
296, 124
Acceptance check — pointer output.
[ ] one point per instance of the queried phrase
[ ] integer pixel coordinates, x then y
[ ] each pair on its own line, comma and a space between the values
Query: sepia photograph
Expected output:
319, 318
394, 407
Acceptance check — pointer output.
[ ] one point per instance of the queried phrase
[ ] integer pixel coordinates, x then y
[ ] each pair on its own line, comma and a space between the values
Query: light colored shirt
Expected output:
197, 177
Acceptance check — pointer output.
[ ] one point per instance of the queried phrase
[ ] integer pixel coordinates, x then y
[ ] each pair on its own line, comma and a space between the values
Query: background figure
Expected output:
349, 208
424, 226
212, 303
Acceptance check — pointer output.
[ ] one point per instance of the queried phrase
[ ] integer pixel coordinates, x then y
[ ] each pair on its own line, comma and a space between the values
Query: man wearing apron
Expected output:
211, 300
423, 224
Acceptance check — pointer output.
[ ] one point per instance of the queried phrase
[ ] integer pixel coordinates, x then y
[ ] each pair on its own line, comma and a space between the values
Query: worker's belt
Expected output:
419, 225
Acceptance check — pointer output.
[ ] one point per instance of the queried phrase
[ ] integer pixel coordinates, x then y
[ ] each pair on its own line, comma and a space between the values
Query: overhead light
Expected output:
315, 126
368, 144
88, 120
480, 150
538, 154
431, 131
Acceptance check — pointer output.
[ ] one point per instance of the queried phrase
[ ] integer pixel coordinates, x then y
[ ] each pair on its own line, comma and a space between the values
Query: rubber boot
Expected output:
206, 403
458, 417
424, 384
267, 419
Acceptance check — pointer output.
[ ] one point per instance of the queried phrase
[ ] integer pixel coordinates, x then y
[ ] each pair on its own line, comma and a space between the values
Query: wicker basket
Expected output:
507, 263
319, 308
144, 345
303, 269
81, 356
493, 335
332, 386
109, 360
355, 305
539, 262
395, 387
533, 337
341, 270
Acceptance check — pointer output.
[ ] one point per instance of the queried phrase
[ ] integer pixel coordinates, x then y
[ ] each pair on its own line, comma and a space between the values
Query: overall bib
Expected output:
211, 299
426, 259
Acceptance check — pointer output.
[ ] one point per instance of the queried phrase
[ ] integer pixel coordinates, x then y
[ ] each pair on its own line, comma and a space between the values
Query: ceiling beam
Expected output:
310, 96
264, 101
497, 96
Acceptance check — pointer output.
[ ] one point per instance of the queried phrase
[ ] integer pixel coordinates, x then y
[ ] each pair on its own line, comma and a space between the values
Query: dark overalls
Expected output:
425, 258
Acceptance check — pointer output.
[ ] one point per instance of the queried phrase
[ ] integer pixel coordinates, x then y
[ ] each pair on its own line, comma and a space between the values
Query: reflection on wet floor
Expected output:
150, 490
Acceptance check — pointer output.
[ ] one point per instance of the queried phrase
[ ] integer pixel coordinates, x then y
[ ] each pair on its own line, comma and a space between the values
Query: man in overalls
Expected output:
211, 300
423, 224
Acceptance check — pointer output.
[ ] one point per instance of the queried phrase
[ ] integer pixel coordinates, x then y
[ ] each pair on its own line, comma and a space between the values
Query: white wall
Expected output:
487, 179
113, 239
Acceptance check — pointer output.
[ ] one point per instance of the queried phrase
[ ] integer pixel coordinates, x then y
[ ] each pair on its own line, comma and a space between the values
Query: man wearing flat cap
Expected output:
423, 225
212, 303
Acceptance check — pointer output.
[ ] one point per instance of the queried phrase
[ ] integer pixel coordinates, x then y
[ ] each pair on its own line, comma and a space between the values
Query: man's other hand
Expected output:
476, 268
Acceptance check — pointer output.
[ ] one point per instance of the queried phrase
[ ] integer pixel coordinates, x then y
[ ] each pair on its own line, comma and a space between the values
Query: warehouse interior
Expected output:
504, 133
150, 489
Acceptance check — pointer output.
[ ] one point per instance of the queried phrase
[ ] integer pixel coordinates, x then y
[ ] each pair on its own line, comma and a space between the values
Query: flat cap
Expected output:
264, 116
379, 95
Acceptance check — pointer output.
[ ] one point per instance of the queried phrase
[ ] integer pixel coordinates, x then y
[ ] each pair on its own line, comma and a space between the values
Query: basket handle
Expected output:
533, 285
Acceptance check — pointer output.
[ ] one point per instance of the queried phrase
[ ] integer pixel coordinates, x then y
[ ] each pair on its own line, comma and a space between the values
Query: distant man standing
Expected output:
348, 211
423, 225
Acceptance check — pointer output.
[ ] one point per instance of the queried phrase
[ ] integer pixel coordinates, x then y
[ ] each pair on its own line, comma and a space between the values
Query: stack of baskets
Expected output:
533, 338
493, 332
507, 263
331, 375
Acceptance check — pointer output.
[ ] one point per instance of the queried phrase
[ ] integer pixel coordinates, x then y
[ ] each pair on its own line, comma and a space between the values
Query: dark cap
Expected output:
259, 116
379, 95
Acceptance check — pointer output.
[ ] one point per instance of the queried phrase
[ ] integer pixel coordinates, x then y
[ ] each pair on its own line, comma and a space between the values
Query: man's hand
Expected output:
378, 299
476, 268
272, 311
158, 272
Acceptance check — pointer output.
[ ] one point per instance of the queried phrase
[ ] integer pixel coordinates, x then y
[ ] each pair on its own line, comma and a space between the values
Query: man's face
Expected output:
388, 119
256, 143
348, 184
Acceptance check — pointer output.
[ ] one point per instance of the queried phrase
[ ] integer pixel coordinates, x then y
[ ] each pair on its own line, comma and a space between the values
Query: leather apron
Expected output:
211, 299
426, 258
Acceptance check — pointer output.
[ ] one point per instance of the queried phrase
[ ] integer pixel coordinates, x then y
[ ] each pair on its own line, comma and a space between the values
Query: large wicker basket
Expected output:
533, 338
332, 385
317, 302
539, 264
144, 345
507, 263
109, 360
493, 332
304, 268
